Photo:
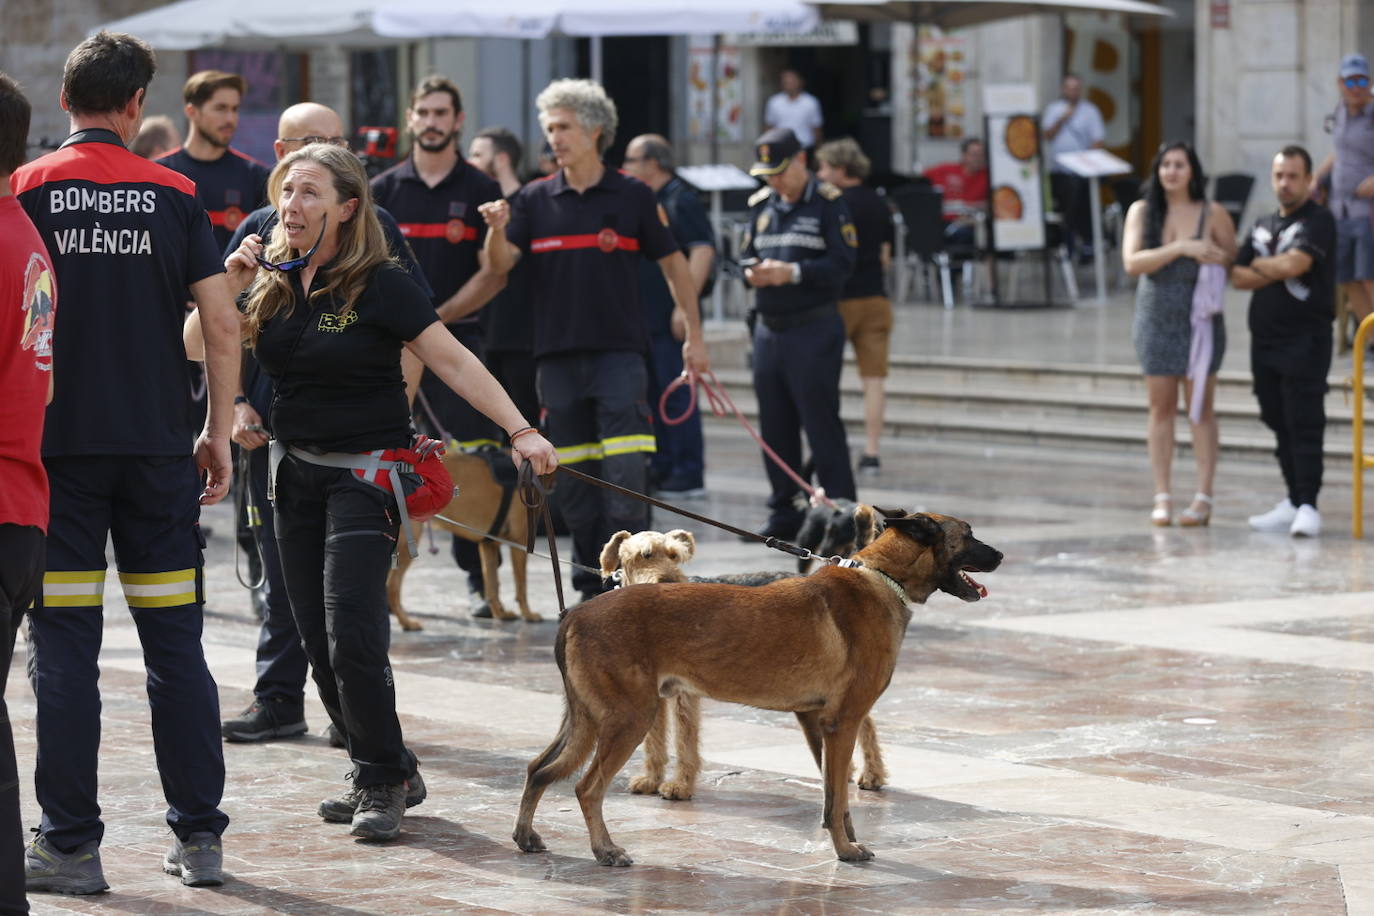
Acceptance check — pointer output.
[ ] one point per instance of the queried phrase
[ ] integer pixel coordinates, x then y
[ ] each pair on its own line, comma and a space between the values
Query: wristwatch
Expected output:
240, 399
796, 273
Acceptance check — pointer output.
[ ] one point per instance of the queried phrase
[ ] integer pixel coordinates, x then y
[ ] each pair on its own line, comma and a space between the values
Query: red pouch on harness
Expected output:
429, 488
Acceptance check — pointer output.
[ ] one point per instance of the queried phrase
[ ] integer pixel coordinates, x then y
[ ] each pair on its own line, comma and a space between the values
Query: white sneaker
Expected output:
1279, 518
1307, 523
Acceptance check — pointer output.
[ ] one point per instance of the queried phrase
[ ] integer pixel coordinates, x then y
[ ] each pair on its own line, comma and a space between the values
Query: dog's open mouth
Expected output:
972, 583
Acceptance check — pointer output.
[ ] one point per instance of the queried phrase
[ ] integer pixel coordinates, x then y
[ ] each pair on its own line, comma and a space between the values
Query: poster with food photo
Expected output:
940, 71
1015, 181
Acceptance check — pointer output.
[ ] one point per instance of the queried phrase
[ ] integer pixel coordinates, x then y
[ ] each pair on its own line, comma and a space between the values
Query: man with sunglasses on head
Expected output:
434, 194
1351, 170
127, 239
278, 707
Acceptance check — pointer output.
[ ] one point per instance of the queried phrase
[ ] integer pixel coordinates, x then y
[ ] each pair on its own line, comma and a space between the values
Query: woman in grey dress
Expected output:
1169, 232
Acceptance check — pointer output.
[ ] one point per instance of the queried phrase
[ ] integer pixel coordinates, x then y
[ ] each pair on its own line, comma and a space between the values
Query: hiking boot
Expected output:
48, 869
198, 860
265, 719
379, 812
341, 810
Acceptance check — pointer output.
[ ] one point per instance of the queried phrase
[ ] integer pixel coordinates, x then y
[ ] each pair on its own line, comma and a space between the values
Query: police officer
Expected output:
584, 228
434, 195
804, 245
278, 707
128, 239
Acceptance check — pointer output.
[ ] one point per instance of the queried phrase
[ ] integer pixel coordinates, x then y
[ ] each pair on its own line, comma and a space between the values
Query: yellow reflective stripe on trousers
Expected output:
572, 454
74, 588
624, 445
164, 589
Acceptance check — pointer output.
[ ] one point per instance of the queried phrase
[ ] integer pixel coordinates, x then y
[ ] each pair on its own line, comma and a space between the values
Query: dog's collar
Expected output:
890, 583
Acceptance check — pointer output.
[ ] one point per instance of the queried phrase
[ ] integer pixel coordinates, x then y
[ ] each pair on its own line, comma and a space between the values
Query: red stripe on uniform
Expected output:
434, 231
570, 242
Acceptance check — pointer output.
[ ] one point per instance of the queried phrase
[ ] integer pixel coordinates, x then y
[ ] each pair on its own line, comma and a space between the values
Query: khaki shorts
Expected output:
867, 324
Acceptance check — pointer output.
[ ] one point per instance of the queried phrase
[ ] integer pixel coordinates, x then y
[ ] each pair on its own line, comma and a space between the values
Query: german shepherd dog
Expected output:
484, 502
652, 556
823, 647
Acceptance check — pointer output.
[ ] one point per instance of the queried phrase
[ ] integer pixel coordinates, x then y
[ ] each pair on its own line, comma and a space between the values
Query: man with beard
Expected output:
434, 195
229, 184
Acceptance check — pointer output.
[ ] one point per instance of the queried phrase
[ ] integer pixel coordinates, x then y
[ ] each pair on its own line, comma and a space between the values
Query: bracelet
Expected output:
520, 432
240, 399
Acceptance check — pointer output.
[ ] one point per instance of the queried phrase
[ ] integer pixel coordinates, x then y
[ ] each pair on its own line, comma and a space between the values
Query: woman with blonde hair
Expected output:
327, 312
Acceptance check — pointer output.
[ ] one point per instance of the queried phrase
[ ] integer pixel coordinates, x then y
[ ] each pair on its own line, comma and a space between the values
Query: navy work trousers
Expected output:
681, 447
149, 507
797, 380
21, 575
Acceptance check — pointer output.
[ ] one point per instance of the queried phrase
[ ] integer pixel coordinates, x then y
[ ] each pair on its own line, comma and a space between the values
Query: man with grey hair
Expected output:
584, 229
679, 463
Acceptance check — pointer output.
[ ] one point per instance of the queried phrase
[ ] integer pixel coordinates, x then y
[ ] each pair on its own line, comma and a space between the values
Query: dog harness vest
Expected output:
229, 188
441, 223
126, 237
583, 252
815, 232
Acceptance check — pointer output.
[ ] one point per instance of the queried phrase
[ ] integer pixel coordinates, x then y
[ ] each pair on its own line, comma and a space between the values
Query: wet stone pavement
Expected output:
1134, 720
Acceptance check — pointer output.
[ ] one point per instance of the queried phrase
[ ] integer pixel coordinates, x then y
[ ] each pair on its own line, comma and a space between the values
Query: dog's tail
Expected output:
576, 736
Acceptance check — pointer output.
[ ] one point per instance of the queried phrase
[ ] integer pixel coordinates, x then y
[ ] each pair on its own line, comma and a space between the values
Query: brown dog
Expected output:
484, 503
651, 556
823, 647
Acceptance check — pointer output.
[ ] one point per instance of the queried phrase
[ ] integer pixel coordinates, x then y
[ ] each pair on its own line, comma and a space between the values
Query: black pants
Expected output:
596, 415
21, 574
1290, 384
281, 662
681, 448
336, 534
463, 424
516, 372
797, 379
1073, 200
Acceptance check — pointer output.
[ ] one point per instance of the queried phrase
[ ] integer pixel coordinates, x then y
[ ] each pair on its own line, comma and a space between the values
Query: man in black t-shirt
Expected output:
434, 195
584, 228
680, 462
1286, 260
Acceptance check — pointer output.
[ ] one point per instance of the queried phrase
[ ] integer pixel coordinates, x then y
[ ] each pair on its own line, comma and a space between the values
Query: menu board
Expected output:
1016, 183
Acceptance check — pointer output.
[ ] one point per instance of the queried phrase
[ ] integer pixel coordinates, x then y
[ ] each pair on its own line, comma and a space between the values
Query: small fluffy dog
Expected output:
653, 556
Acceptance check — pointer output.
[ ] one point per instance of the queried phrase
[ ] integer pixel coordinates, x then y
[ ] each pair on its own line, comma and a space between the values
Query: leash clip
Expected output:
845, 562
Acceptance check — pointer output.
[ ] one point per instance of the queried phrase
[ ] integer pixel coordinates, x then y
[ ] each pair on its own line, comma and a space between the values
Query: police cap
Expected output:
774, 151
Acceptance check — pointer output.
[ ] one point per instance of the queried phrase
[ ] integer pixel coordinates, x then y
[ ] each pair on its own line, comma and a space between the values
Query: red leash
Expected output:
721, 406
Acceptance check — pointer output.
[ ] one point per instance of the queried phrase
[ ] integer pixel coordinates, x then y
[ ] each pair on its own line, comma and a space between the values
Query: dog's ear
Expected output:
920, 528
890, 513
686, 544
610, 554
865, 526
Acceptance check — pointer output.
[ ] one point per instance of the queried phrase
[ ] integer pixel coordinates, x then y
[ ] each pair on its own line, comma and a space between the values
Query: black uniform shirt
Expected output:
1299, 305
338, 376
583, 251
508, 320
257, 387
441, 223
688, 222
127, 237
814, 232
229, 188
873, 224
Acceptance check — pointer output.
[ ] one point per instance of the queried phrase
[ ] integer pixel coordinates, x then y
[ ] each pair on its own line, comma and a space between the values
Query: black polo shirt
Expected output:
508, 320
584, 252
256, 386
229, 188
873, 224
691, 227
441, 223
338, 375
127, 237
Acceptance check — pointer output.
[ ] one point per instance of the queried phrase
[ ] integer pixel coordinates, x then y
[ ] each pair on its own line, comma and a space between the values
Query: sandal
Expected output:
1159, 516
1199, 514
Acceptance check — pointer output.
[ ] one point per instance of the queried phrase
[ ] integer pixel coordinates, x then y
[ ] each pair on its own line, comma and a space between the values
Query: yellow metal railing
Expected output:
1360, 460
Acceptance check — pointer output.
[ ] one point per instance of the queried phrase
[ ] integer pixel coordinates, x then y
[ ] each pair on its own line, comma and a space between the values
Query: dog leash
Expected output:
512, 544
722, 405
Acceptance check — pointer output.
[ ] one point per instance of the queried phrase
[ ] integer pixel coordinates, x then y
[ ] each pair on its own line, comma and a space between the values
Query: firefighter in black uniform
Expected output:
803, 246
128, 239
434, 195
584, 229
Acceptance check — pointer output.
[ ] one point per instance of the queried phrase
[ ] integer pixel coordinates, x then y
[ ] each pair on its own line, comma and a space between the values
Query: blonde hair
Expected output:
588, 102
362, 245
844, 154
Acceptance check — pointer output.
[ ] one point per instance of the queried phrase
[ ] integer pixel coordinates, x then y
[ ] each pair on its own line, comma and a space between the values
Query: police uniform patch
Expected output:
828, 190
759, 196
761, 224
851, 238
